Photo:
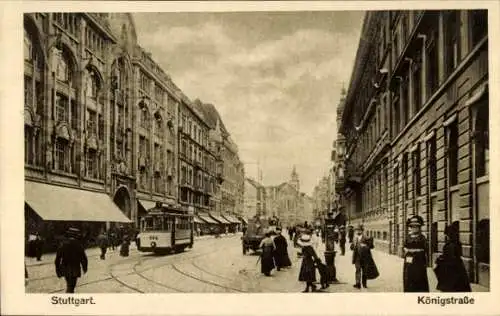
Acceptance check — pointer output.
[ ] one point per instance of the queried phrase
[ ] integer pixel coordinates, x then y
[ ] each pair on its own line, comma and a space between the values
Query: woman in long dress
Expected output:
281, 257
450, 270
267, 256
415, 258
309, 258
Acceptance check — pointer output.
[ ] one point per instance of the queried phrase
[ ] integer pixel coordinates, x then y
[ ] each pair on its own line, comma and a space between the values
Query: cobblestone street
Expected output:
201, 270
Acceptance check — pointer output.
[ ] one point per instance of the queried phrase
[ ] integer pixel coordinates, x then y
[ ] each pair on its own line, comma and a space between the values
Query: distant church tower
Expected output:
295, 182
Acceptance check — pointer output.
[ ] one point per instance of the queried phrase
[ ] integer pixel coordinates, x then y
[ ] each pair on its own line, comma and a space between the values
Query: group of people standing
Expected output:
274, 252
449, 268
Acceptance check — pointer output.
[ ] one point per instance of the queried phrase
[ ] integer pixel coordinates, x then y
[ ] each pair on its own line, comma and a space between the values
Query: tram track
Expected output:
135, 270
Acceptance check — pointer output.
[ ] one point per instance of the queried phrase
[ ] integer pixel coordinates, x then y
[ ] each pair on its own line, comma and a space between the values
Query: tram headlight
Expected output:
153, 244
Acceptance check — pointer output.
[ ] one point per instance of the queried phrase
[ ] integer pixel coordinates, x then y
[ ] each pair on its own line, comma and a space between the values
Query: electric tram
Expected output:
165, 231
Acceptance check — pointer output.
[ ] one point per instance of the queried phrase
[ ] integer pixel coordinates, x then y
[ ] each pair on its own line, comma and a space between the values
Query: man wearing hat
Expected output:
362, 258
70, 256
342, 239
415, 257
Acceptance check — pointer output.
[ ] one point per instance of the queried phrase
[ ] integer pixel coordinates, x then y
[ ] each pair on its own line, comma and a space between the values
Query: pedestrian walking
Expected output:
103, 243
125, 246
415, 258
267, 256
342, 240
281, 257
450, 270
362, 258
291, 232
38, 246
71, 259
307, 267
350, 233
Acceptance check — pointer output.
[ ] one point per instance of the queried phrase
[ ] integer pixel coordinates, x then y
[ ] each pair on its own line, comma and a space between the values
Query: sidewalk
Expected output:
389, 266
49, 258
391, 273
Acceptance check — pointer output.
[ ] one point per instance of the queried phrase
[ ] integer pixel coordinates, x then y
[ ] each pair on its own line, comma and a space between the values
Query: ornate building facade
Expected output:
103, 119
415, 121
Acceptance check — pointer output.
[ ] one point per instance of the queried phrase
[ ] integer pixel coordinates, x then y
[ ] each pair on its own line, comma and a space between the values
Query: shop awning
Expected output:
231, 219
220, 219
198, 220
57, 203
147, 204
207, 219
243, 220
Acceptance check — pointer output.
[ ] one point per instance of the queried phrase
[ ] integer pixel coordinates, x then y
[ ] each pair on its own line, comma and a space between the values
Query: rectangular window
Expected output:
478, 26
62, 155
452, 28
61, 108
417, 83
101, 127
396, 185
433, 62
432, 164
92, 164
91, 122
405, 175
28, 145
28, 91
158, 183
416, 172
453, 153
482, 140
397, 115
74, 115
405, 104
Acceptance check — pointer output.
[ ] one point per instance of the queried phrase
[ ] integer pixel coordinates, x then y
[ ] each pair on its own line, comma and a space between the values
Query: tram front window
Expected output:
155, 223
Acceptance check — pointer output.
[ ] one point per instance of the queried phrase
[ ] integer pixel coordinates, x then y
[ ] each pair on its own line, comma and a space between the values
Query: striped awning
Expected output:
220, 219
231, 219
198, 220
207, 219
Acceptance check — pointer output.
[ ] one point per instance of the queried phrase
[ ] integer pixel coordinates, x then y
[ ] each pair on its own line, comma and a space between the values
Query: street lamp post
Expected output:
330, 247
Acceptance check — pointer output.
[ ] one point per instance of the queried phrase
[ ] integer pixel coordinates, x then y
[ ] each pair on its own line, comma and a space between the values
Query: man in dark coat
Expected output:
103, 243
281, 257
70, 257
38, 246
342, 240
362, 258
350, 233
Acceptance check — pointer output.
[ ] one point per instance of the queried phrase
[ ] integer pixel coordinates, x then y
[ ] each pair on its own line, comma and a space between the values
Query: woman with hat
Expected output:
415, 258
450, 270
267, 256
309, 258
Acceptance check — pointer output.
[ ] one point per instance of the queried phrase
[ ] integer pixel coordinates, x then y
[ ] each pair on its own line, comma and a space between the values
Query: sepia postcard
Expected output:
182, 157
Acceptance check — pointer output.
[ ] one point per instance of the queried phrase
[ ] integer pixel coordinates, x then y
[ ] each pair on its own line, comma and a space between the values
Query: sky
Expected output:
275, 78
